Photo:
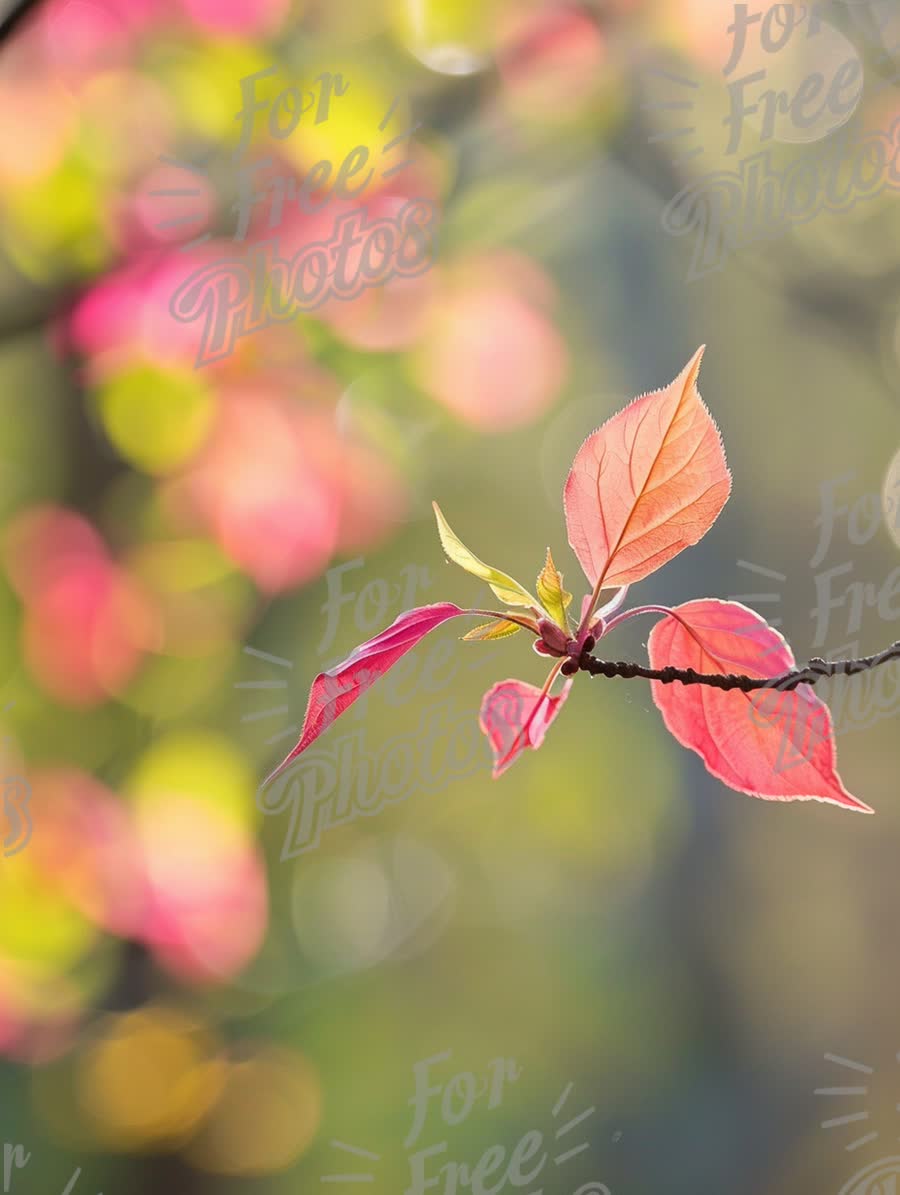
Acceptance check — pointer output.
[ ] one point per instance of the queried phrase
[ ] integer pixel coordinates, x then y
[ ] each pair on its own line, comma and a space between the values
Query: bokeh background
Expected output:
182, 1008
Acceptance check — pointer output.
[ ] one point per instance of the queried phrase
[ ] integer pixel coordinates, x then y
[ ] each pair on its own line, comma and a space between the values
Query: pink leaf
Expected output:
335, 691
510, 707
648, 483
768, 743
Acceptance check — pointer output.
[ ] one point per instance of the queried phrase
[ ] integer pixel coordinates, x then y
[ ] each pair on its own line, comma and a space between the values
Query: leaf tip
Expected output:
858, 806
692, 369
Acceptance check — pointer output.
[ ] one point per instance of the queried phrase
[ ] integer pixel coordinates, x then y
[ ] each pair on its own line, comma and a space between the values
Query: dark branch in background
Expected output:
814, 671
13, 18
846, 307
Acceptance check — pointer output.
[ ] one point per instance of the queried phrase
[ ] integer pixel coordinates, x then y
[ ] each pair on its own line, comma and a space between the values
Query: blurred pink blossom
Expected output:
491, 352
382, 318
237, 18
125, 317
551, 56
208, 903
86, 623
86, 842
279, 489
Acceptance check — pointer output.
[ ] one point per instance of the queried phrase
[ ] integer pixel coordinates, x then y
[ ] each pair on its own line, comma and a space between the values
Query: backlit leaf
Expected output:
493, 630
510, 707
648, 483
335, 691
506, 589
768, 743
551, 594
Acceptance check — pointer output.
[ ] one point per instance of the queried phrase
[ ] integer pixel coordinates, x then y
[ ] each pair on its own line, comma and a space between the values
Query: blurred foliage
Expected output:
180, 1007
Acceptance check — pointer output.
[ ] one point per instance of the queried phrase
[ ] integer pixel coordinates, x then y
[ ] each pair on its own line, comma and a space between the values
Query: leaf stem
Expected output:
528, 623
635, 610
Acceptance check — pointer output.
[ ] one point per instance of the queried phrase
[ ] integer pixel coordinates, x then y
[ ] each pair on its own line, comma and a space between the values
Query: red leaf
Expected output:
506, 709
768, 743
648, 483
336, 690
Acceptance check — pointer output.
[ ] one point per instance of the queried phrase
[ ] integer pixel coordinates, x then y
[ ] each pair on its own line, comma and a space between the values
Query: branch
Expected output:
813, 672
14, 17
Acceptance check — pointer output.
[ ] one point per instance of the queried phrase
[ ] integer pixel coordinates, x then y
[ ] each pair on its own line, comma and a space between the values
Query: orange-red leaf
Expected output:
648, 483
769, 743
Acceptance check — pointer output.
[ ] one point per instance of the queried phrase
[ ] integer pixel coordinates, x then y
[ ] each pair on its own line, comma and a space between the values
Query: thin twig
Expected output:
814, 671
